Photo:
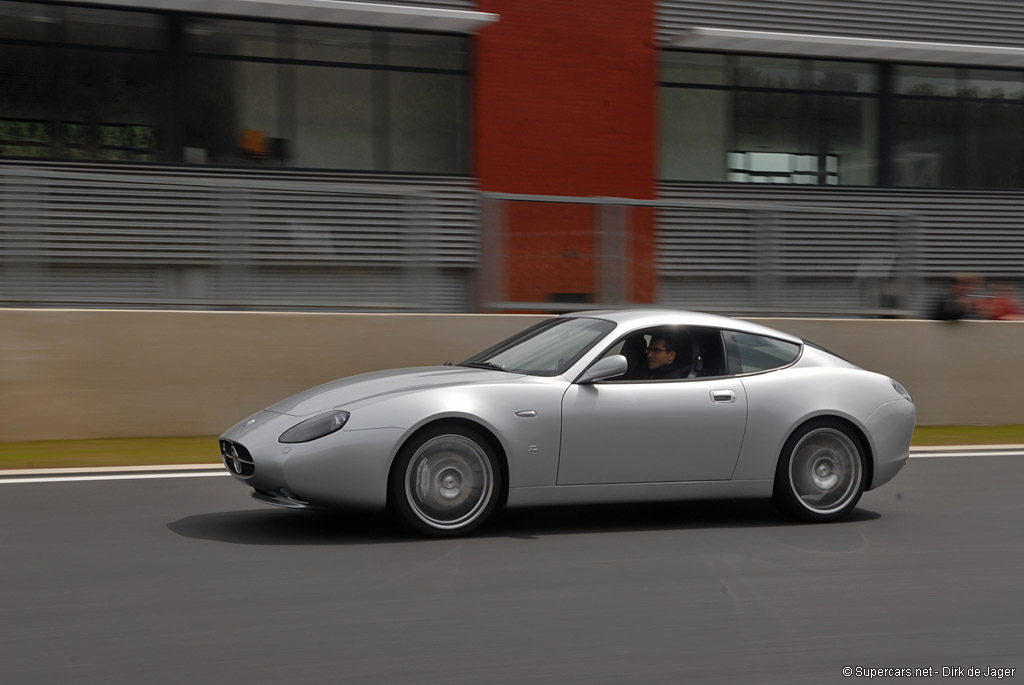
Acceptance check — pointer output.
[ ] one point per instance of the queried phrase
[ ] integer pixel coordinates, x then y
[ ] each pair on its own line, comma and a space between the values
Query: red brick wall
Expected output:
565, 105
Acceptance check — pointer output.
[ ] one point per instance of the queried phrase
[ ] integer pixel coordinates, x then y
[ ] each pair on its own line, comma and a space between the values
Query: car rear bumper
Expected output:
891, 427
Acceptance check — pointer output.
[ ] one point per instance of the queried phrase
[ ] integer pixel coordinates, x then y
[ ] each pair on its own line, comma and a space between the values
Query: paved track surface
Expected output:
188, 581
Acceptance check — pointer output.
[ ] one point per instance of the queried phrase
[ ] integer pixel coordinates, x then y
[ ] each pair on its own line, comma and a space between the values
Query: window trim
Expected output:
854, 48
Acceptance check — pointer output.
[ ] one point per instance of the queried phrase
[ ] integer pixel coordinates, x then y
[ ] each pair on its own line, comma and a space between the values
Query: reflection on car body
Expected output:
566, 412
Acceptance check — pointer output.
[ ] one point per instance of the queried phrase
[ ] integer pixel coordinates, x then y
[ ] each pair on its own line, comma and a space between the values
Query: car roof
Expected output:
643, 318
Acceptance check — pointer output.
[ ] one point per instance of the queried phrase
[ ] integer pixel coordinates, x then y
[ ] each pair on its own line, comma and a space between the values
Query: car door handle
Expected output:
723, 396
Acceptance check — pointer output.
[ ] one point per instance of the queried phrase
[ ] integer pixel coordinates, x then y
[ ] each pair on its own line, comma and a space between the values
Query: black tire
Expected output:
446, 481
821, 472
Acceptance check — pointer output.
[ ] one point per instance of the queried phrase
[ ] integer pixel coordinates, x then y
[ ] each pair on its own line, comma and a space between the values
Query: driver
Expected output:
661, 358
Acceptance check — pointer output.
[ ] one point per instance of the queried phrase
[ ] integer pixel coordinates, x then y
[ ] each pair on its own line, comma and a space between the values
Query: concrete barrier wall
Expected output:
68, 374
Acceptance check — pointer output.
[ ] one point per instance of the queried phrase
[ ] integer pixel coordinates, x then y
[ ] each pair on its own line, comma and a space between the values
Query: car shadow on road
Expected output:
282, 527
691, 515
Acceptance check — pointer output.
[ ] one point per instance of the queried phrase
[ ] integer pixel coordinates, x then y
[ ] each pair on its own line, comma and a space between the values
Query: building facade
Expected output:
736, 156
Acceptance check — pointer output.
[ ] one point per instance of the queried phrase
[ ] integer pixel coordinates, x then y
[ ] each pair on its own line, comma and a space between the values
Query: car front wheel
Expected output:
446, 481
821, 472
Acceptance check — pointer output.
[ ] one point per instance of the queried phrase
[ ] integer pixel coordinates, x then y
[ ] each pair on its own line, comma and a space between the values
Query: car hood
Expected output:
380, 384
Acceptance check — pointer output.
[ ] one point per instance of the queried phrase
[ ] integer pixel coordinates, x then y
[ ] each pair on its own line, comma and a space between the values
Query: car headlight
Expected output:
898, 387
316, 427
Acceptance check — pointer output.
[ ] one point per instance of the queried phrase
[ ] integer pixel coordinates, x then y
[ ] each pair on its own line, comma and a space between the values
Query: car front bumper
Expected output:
343, 469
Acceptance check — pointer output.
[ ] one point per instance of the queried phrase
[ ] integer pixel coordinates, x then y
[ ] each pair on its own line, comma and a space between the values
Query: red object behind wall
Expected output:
565, 98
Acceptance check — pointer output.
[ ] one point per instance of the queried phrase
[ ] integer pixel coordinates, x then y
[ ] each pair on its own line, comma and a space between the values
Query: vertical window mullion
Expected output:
731, 81
58, 33
381, 80
464, 141
809, 140
960, 174
885, 125
286, 93
174, 119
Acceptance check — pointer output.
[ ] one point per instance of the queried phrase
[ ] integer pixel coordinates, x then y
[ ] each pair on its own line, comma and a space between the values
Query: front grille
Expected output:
237, 459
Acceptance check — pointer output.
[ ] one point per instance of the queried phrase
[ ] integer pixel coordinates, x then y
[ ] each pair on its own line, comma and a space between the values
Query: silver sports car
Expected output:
601, 406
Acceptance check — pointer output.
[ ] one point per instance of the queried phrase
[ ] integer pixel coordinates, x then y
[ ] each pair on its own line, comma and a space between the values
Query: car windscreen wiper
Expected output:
485, 365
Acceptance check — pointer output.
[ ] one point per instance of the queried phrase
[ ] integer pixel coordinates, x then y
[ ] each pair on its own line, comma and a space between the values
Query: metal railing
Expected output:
160, 238
729, 257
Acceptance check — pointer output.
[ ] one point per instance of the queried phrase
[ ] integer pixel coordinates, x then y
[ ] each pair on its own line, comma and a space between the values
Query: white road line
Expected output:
120, 476
84, 470
966, 448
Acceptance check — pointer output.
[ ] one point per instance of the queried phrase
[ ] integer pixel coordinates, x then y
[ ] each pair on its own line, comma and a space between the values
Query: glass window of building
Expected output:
113, 28
848, 77
232, 112
102, 84
92, 86
428, 122
695, 68
326, 98
424, 50
768, 72
28, 20
925, 81
334, 110
113, 106
232, 37
755, 119
784, 121
993, 84
330, 44
28, 75
958, 127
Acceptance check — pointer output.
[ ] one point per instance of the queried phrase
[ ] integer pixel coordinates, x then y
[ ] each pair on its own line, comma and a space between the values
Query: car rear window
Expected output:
749, 353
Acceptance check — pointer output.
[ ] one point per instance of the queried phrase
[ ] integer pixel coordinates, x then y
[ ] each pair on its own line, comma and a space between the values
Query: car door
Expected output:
651, 431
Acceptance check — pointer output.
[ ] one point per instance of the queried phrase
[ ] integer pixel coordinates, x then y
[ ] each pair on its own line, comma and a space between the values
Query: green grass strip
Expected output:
108, 452
925, 436
204, 450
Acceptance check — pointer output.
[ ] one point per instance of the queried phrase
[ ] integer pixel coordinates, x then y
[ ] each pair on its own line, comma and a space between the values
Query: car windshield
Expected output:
546, 349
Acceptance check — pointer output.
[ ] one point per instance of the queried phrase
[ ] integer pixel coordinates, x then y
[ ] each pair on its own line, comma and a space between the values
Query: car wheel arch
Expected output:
457, 422
857, 430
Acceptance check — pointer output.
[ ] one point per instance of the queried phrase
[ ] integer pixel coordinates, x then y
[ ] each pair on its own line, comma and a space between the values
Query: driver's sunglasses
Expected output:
659, 350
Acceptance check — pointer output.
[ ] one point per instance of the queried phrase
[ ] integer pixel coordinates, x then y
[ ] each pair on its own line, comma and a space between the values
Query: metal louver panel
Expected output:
164, 236
866, 236
690, 248
983, 22
764, 257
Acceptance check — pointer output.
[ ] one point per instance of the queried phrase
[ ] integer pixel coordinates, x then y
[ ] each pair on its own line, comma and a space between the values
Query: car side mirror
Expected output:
609, 367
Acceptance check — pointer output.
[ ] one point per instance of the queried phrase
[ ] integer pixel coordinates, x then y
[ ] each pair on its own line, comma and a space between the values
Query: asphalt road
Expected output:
188, 581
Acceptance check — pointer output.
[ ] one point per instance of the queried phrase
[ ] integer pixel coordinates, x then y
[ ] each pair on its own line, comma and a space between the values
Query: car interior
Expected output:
701, 348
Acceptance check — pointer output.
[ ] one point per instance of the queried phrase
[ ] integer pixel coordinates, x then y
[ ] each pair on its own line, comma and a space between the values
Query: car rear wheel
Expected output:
821, 472
446, 482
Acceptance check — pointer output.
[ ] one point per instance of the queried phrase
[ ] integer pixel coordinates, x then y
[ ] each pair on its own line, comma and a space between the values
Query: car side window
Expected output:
749, 353
614, 349
697, 353
633, 348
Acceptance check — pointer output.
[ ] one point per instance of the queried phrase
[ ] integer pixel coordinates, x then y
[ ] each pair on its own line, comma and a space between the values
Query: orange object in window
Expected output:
254, 142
